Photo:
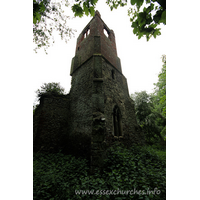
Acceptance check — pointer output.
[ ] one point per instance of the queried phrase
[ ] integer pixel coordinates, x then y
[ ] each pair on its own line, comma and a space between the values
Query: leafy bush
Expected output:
140, 168
50, 88
57, 176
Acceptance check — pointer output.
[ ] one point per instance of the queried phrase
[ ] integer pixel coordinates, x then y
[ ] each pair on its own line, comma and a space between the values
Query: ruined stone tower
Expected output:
101, 106
98, 110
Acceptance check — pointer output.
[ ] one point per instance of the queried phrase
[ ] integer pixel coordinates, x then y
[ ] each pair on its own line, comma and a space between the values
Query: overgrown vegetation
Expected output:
150, 109
135, 173
140, 169
52, 88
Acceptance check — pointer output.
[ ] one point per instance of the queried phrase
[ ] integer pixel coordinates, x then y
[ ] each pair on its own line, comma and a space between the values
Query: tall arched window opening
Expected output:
117, 121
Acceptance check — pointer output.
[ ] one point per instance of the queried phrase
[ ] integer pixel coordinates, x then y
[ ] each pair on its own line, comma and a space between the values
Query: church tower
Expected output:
100, 105
98, 110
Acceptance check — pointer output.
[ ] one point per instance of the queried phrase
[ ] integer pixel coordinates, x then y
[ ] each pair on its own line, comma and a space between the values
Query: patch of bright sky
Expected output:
140, 60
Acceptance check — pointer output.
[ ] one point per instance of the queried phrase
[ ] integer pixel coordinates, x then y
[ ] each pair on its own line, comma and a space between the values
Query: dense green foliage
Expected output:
160, 98
84, 7
50, 88
150, 109
160, 89
145, 21
57, 176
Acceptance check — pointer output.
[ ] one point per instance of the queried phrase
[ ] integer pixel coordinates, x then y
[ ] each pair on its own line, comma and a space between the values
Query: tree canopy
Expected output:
48, 15
50, 88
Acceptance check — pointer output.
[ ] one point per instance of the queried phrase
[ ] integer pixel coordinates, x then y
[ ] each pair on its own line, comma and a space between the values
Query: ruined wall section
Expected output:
51, 123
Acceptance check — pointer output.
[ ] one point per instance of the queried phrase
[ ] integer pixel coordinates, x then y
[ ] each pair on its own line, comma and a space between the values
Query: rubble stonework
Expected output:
98, 110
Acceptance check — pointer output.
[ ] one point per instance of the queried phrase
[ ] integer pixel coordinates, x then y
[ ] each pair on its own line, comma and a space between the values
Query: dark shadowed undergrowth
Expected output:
140, 169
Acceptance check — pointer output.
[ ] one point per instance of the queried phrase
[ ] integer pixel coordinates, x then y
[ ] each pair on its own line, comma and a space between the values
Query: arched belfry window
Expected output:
87, 32
106, 32
117, 122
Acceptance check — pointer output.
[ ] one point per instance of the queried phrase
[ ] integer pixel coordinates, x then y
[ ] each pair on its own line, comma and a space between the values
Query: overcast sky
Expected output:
140, 60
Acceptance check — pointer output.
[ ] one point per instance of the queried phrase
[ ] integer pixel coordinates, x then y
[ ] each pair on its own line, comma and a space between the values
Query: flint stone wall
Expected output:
52, 128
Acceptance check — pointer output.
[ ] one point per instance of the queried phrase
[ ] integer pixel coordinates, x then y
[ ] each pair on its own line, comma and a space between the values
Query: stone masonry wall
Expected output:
53, 128
116, 93
51, 123
96, 42
80, 99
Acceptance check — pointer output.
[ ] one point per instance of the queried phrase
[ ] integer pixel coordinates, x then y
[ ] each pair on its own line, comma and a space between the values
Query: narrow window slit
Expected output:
113, 74
105, 32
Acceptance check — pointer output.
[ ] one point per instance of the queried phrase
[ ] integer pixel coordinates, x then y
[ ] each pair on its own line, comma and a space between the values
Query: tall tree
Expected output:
160, 89
151, 108
146, 117
160, 97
